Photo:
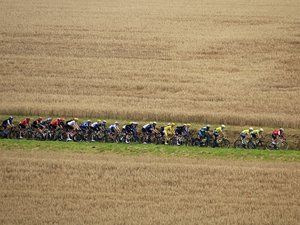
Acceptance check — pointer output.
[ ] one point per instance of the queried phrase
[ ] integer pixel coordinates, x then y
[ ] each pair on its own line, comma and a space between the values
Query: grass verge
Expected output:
156, 150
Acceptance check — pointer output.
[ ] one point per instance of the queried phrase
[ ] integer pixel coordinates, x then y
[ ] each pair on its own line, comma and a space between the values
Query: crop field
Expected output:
43, 186
229, 61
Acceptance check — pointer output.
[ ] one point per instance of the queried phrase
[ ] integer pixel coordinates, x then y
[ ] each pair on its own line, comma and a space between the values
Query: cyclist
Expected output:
71, 126
276, 135
23, 125
181, 131
168, 132
203, 134
45, 123
58, 123
161, 129
129, 129
36, 124
257, 134
8, 122
95, 127
86, 125
218, 134
147, 130
103, 125
113, 129
246, 136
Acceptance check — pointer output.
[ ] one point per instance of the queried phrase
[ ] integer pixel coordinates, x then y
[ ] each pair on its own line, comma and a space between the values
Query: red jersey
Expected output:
24, 122
277, 132
55, 123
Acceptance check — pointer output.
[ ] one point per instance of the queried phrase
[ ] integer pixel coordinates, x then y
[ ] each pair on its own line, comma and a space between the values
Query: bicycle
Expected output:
281, 144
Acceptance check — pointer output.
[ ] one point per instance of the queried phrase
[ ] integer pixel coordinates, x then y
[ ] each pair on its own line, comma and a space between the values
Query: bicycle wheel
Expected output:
225, 143
270, 145
238, 144
197, 143
261, 145
283, 145
251, 145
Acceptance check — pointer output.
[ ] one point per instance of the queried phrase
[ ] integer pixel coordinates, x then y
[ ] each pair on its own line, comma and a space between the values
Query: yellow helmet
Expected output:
76, 119
172, 124
99, 121
189, 124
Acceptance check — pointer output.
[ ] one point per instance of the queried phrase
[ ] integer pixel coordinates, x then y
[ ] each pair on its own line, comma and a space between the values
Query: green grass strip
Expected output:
151, 149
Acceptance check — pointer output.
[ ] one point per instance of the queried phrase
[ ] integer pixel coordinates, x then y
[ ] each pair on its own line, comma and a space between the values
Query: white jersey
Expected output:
95, 124
72, 123
113, 126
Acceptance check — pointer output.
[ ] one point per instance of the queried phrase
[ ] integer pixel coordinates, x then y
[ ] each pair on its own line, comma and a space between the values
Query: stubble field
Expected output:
47, 187
232, 61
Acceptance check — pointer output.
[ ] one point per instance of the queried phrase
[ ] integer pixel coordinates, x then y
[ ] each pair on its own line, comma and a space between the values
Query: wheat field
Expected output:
229, 61
45, 187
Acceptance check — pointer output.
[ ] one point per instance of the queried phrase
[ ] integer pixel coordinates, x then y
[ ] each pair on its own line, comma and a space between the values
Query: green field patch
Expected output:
151, 149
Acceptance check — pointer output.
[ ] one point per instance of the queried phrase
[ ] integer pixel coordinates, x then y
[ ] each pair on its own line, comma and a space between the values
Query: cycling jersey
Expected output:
245, 132
148, 128
7, 123
35, 124
112, 128
168, 130
277, 132
255, 133
85, 125
203, 131
219, 130
129, 128
181, 130
24, 122
72, 123
96, 126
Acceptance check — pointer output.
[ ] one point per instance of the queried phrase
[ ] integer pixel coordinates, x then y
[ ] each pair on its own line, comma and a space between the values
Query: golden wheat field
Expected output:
44, 187
229, 61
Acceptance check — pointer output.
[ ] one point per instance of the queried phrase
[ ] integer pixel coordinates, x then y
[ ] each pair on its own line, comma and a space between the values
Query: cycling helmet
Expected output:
27, 118
208, 125
134, 123
99, 121
88, 121
261, 130
251, 129
116, 122
76, 119
189, 124
104, 121
154, 122
223, 126
281, 129
49, 119
11, 117
172, 124
40, 118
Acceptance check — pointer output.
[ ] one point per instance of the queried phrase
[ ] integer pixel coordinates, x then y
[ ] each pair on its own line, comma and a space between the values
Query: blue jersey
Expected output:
85, 125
